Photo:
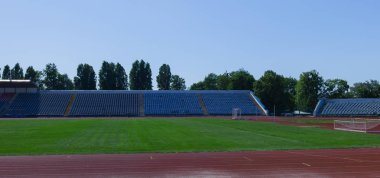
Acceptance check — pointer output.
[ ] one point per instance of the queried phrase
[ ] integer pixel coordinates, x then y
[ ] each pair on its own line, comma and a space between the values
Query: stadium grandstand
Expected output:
348, 107
22, 99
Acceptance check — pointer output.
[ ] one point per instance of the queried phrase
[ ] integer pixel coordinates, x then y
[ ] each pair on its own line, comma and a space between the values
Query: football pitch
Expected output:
109, 136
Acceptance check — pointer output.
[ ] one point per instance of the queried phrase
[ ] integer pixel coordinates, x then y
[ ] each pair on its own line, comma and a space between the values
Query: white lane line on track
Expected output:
334, 157
305, 164
247, 158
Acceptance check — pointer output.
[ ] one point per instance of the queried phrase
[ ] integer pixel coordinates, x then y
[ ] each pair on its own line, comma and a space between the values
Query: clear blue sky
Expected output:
338, 38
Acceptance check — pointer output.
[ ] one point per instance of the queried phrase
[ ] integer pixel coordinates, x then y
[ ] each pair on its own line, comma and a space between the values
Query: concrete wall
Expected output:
18, 90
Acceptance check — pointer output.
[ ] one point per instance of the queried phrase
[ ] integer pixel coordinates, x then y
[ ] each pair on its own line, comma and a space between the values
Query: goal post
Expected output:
236, 113
358, 125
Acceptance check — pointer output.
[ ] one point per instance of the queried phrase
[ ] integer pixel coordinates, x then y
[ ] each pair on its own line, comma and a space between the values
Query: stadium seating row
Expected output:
130, 103
5, 98
349, 107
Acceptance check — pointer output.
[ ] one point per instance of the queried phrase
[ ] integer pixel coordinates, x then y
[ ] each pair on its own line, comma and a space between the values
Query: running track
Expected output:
304, 163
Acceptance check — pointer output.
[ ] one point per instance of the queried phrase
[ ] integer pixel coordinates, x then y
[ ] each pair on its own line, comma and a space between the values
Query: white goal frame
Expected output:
358, 125
236, 113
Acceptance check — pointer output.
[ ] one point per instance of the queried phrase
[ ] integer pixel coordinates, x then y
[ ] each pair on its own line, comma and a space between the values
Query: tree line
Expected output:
111, 76
286, 94
278, 93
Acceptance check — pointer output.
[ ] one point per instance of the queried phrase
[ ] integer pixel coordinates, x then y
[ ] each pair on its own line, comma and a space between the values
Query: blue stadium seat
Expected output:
38, 104
171, 103
105, 104
222, 102
351, 107
5, 98
131, 103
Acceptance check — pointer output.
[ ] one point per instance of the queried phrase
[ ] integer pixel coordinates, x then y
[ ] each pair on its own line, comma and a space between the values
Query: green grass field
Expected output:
96, 136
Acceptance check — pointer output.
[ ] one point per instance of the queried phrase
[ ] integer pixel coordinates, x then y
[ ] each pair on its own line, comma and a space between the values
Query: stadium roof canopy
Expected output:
17, 84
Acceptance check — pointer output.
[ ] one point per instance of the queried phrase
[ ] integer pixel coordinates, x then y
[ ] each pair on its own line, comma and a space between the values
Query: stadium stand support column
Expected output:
318, 109
203, 105
257, 104
4, 108
141, 105
70, 105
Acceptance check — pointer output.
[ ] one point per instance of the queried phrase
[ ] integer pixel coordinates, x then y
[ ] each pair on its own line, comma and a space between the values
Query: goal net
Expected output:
236, 113
358, 125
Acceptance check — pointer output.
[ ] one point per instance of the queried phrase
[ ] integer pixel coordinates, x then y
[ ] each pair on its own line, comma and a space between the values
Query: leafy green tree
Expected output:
107, 76
6, 72
53, 80
34, 76
210, 82
121, 77
271, 88
148, 75
290, 88
309, 89
163, 78
177, 83
223, 81
336, 88
237, 80
135, 84
241, 80
197, 86
368, 89
290, 84
86, 77
17, 72
51, 74
64, 82
140, 76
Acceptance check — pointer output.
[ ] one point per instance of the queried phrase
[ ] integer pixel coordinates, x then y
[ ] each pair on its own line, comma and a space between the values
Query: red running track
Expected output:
304, 163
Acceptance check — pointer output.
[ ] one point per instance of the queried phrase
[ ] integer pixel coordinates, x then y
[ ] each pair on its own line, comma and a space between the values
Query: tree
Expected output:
54, 80
133, 76
309, 90
17, 72
6, 72
210, 82
336, 88
121, 77
34, 76
163, 78
197, 86
272, 89
140, 76
241, 80
368, 89
107, 76
290, 84
177, 83
223, 81
86, 77
148, 77
64, 82
290, 88
51, 77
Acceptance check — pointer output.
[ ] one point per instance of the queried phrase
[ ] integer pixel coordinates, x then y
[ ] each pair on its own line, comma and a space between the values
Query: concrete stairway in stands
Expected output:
70, 105
141, 105
203, 105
